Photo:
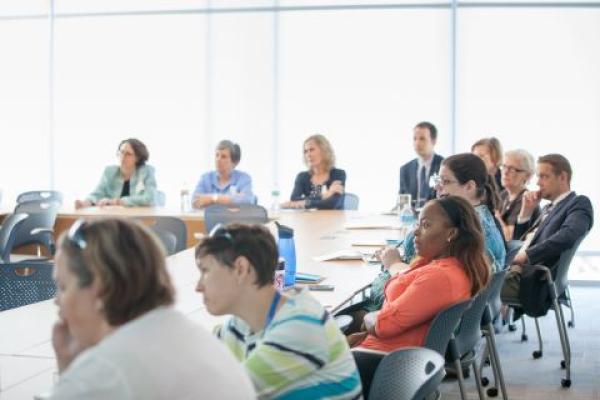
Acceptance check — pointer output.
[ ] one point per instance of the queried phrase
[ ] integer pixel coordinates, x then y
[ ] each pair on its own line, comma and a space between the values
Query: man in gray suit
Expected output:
567, 218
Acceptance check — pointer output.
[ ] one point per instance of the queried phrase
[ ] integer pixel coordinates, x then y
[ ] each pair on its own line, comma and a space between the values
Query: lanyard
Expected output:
272, 309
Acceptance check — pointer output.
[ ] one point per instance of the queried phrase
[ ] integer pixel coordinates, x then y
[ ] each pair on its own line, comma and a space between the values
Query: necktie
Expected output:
545, 211
423, 187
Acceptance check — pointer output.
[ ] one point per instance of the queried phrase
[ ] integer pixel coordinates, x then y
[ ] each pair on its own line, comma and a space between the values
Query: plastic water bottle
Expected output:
407, 219
275, 201
287, 250
185, 200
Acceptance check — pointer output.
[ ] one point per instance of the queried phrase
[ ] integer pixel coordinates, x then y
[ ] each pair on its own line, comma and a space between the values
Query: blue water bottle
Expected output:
287, 250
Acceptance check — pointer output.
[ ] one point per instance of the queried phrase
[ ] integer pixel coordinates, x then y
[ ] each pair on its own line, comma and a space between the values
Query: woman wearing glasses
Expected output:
517, 170
118, 336
322, 186
131, 183
289, 345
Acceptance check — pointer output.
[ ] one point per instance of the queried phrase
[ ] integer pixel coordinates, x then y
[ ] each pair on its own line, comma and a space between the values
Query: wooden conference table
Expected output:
27, 364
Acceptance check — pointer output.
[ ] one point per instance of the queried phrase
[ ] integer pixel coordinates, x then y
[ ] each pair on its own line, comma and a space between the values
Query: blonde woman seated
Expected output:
118, 335
290, 346
131, 183
451, 266
322, 186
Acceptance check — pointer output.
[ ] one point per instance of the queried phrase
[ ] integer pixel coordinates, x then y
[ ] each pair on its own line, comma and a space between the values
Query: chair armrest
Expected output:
37, 231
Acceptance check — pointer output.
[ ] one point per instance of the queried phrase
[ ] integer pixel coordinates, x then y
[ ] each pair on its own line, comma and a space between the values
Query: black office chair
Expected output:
40, 195
227, 214
172, 232
39, 227
25, 282
556, 280
7, 234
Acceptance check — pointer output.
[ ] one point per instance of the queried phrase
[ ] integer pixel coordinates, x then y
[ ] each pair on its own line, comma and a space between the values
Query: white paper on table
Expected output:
347, 254
371, 224
369, 242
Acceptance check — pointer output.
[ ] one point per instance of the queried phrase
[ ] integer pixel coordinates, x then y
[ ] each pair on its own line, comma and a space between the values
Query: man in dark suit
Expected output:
414, 175
567, 218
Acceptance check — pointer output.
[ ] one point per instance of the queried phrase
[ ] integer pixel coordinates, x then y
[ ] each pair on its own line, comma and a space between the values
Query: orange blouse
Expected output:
413, 299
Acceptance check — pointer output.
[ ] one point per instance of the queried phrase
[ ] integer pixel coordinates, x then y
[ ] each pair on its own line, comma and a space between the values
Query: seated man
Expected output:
562, 222
415, 174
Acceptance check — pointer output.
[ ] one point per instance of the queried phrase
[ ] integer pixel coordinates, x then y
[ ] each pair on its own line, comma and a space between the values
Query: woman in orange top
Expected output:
451, 266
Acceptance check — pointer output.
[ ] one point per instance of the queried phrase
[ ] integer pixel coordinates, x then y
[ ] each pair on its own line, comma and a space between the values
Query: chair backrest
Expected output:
172, 232
225, 214
7, 236
493, 290
512, 248
38, 228
25, 282
443, 326
560, 272
351, 201
410, 373
40, 195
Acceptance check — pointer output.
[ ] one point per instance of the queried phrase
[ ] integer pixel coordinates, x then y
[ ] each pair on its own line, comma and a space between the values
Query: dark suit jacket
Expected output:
408, 177
567, 222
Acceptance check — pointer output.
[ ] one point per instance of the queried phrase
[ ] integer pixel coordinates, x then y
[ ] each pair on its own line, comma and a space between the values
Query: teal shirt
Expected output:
142, 186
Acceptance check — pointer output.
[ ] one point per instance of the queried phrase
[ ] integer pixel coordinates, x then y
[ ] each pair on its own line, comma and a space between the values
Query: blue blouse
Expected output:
239, 186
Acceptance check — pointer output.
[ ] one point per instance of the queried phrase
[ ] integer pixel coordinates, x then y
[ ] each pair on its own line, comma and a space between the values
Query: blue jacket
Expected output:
567, 222
142, 186
408, 177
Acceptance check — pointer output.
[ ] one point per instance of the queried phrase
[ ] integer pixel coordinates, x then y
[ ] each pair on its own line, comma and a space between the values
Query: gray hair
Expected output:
234, 150
525, 159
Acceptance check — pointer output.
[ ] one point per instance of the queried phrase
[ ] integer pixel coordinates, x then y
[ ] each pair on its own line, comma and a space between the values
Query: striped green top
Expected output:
302, 354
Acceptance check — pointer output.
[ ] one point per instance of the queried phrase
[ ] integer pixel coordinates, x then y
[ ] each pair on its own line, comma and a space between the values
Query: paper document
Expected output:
341, 255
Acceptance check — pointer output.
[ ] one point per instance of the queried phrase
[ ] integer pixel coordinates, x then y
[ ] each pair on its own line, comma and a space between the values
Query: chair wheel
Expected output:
485, 381
563, 364
537, 354
492, 392
570, 324
512, 327
524, 338
466, 373
565, 383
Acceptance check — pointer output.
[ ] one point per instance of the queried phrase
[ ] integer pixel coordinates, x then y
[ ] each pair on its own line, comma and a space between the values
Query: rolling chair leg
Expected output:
571, 323
477, 378
461, 379
495, 361
523, 330
540, 352
565, 344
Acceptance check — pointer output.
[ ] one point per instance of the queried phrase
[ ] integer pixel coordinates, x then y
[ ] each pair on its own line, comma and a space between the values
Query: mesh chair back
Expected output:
469, 331
243, 213
411, 374
350, 201
39, 226
560, 273
512, 248
493, 290
25, 282
40, 195
172, 232
7, 236
443, 326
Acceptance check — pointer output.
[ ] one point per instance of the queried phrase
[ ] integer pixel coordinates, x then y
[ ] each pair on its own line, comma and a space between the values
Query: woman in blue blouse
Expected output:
322, 186
131, 183
224, 185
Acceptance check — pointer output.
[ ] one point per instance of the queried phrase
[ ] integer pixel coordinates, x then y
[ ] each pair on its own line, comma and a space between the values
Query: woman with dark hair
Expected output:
322, 186
450, 267
224, 185
289, 344
131, 183
118, 335
490, 151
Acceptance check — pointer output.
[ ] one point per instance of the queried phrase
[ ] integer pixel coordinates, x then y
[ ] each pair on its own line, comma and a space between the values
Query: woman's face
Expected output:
127, 157
514, 176
219, 285
433, 232
81, 308
223, 163
483, 152
312, 154
450, 186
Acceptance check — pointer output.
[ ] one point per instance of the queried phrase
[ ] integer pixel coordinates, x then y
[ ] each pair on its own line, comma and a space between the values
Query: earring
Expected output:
449, 240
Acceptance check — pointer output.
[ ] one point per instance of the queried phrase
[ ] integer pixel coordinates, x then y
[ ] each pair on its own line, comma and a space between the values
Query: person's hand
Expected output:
521, 258
355, 339
531, 199
336, 187
388, 256
103, 202
65, 346
369, 322
297, 204
82, 204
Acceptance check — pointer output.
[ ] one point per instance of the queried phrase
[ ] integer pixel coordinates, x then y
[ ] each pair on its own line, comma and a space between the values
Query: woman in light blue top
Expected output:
131, 183
225, 185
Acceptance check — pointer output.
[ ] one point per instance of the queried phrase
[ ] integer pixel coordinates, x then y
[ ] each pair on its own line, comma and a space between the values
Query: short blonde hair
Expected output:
525, 159
326, 150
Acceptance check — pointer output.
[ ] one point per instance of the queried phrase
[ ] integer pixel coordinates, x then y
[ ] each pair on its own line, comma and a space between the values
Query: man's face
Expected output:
551, 185
422, 142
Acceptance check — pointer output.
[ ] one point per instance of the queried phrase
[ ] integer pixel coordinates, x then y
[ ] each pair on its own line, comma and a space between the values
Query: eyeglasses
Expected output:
121, 153
438, 181
76, 235
511, 169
